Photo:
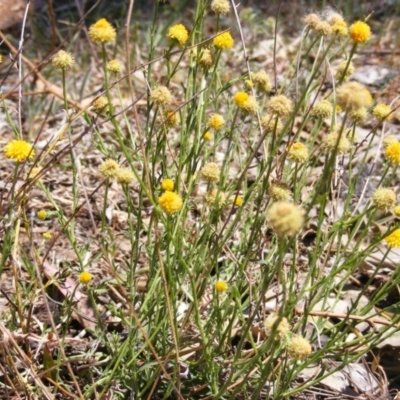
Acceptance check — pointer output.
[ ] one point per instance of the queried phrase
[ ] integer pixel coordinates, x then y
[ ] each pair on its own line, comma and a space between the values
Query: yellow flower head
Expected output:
262, 81
323, 28
102, 31
241, 99
19, 150
359, 115
1, 58
396, 211
85, 277
285, 218
223, 41
114, 67
47, 235
312, 20
237, 200
124, 176
100, 105
216, 121
352, 96
207, 136
281, 330
299, 348
332, 142
206, 58
178, 33
382, 112
340, 28
170, 202
392, 153
393, 240
280, 105
279, 191
298, 153
220, 6
344, 70
272, 124
221, 286
323, 109
42, 215
63, 60
360, 32
167, 185
211, 172
383, 199
161, 96
171, 119
109, 168
215, 197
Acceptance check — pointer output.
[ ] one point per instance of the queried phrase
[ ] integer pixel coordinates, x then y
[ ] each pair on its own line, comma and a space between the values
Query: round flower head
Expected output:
389, 140
42, 215
221, 286
332, 17
383, 199
223, 41
85, 277
178, 33
1, 58
392, 153
298, 153
396, 211
360, 32
272, 124
393, 240
280, 105
102, 32
340, 28
100, 105
382, 112
206, 59
279, 191
171, 119
215, 197
47, 235
298, 348
167, 185
124, 176
63, 60
207, 136
359, 115
331, 142
344, 70
262, 81
161, 96
285, 218
312, 20
281, 330
323, 28
216, 121
323, 109
109, 168
237, 200
211, 172
114, 67
241, 99
19, 150
352, 96
170, 202
220, 6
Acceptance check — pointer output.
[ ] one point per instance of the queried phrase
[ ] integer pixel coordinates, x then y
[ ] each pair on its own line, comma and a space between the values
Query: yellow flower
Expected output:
393, 240
47, 235
353, 96
298, 153
223, 41
359, 115
382, 112
323, 109
42, 215
179, 34
237, 200
124, 176
323, 28
216, 121
241, 99
167, 185
396, 211
299, 348
392, 153
221, 286
109, 168
207, 136
340, 28
360, 32
383, 199
389, 140
102, 31
280, 105
220, 6
279, 191
63, 60
206, 58
170, 202
19, 150
285, 218
281, 330
85, 277
262, 81
100, 105
171, 119
114, 67
161, 96
211, 172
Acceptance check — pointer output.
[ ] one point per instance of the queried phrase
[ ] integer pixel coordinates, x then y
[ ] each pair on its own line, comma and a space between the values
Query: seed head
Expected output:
383, 199
359, 115
161, 96
298, 153
211, 172
323, 28
220, 6
298, 348
170, 202
340, 28
281, 330
100, 105
262, 81
312, 20
272, 124
352, 96
323, 109
280, 105
215, 197
102, 32
279, 191
171, 119
114, 67
332, 142
206, 59
360, 32
344, 70
109, 168
63, 60
19, 150
285, 218
124, 176
178, 33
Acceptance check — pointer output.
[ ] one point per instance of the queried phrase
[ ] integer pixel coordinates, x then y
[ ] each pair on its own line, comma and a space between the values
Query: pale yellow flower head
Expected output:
352, 96
109, 168
383, 199
272, 124
382, 112
285, 218
298, 348
220, 6
161, 96
211, 172
124, 176
63, 60
344, 70
298, 152
334, 141
323, 109
114, 67
281, 329
280, 105
262, 81
102, 31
